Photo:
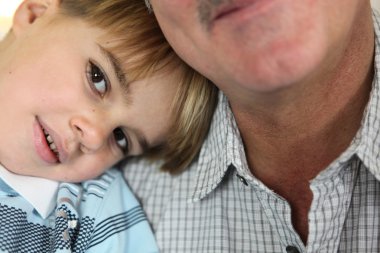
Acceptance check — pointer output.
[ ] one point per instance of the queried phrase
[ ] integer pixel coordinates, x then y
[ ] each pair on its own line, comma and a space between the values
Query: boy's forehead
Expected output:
165, 76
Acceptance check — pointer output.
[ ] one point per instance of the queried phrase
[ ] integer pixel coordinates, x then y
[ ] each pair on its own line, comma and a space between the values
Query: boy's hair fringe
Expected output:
143, 49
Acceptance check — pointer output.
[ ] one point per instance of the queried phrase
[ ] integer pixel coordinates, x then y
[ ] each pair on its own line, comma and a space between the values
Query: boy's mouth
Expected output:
47, 143
51, 143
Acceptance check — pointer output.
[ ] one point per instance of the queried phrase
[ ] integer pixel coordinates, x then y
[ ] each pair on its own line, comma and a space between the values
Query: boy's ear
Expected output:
29, 11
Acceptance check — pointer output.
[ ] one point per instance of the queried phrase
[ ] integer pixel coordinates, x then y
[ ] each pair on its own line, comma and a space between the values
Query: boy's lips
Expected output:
43, 148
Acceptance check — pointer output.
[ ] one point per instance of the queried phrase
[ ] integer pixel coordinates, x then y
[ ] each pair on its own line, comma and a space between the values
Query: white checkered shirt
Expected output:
217, 206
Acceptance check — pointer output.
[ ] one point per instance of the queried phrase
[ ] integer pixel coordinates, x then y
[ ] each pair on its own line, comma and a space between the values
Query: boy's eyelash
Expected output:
118, 132
97, 79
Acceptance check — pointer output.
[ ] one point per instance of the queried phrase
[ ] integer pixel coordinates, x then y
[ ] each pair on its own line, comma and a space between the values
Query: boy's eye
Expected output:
121, 140
97, 79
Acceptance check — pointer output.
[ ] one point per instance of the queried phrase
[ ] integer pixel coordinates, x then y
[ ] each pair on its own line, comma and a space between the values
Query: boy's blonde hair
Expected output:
143, 49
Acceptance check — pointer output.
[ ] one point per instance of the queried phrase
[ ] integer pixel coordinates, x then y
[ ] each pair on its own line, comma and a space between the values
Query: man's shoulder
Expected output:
144, 176
140, 163
154, 188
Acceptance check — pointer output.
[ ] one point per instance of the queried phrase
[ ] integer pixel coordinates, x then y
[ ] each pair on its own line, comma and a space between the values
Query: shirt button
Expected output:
242, 179
292, 249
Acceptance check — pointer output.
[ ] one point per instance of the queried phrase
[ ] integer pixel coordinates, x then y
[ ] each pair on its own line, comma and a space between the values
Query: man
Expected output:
291, 161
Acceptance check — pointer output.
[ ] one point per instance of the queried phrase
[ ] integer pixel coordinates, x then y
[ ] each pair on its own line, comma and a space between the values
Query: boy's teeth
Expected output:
50, 142
49, 139
52, 146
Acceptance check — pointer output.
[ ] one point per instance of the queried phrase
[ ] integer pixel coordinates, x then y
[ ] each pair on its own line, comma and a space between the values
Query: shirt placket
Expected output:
328, 211
278, 214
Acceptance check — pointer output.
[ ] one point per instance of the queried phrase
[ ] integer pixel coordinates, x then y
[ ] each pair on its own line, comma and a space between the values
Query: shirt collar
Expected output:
366, 143
39, 192
220, 150
224, 147
369, 147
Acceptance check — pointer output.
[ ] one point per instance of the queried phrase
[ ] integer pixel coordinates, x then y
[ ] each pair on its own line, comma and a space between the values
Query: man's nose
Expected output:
91, 133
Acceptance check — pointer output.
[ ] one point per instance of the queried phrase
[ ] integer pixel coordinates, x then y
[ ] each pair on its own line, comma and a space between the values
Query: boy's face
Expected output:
64, 113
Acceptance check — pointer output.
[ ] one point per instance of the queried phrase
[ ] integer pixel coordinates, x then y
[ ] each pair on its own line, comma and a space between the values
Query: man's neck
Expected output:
293, 134
316, 118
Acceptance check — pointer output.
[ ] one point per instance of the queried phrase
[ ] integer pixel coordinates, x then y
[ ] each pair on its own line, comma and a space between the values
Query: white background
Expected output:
376, 4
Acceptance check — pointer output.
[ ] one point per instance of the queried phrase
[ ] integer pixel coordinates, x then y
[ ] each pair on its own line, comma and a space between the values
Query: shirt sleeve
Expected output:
121, 224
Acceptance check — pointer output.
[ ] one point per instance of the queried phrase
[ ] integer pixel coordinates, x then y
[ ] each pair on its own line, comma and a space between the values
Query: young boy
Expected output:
84, 83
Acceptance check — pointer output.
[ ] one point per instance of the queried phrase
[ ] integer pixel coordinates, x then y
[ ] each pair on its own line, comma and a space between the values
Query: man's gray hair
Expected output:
147, 3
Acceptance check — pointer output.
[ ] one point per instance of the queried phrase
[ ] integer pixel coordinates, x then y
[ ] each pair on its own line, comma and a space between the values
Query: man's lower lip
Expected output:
41, 146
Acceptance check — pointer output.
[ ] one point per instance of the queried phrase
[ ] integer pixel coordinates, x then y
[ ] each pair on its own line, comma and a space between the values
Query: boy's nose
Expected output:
91, 134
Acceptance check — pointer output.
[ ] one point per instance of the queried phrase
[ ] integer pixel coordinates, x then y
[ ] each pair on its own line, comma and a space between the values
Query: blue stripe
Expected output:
96, 185
116, 224
130, 212
67, 187
115, 219
119, 229
97, 195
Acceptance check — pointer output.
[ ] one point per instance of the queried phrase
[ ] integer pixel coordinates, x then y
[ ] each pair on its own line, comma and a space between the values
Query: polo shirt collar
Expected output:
39, 192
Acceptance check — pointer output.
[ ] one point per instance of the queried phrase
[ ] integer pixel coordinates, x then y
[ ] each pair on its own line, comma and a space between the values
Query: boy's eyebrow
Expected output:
117, 66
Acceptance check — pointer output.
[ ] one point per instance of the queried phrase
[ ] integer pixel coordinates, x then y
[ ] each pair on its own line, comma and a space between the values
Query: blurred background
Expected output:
7, 7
